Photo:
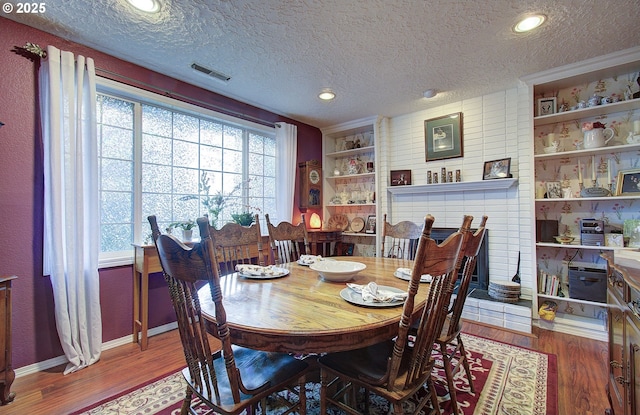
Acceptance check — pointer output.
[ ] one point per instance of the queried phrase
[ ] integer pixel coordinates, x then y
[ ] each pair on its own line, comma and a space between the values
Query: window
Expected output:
176, 161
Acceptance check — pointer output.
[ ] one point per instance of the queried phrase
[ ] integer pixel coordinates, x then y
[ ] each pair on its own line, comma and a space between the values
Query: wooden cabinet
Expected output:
623, 300
573, 183
350, 168
7, 375
310, 185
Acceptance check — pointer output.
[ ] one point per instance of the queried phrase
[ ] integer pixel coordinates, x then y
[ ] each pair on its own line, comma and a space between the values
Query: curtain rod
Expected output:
34, 49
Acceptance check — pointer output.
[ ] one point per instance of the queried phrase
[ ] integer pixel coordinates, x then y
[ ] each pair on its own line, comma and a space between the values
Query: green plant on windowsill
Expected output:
244, 218
184, 225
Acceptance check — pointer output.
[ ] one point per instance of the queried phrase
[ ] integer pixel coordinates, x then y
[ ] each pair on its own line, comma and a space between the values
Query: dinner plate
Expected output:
403, 276
354, 297
273, 272
312, 261
357, 224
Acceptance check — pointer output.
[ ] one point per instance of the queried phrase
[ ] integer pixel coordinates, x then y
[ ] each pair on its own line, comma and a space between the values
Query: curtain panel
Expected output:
287, 147
71, 210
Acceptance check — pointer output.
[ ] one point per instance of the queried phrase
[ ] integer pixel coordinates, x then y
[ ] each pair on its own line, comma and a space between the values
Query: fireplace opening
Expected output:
480, 276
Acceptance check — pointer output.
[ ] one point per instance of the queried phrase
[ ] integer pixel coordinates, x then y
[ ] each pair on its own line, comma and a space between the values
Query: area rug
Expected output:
507, 379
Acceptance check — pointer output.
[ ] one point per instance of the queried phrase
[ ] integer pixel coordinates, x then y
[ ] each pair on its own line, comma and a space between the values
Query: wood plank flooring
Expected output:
582, 373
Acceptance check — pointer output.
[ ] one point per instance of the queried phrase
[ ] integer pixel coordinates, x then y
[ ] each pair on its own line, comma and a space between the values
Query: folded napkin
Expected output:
372, 294
309, 259
406, 272
257, 270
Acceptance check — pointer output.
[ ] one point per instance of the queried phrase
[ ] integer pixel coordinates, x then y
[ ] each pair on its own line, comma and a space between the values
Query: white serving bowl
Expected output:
337, 270
550, 149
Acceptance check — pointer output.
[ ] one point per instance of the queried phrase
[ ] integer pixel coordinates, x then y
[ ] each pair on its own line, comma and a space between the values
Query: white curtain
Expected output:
287, 147
71, 215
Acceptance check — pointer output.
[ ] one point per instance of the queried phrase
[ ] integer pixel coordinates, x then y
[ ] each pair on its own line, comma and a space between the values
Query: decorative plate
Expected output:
357, 224
339, 222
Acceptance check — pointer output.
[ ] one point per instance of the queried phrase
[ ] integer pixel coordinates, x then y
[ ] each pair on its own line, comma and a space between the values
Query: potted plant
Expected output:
244, 218
187, 228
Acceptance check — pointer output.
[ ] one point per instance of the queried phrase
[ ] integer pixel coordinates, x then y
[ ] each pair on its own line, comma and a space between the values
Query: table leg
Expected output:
136, 304
144, 339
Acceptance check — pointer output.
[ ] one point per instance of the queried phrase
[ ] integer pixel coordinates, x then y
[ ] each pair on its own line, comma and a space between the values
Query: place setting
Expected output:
307, 260
259, 272
373, 295
405, 274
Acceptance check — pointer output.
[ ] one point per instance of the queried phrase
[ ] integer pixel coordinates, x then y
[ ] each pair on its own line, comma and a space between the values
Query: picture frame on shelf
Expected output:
443, 137
400, 177
628, 183
371, 224
497, 169
554, 190
546, 106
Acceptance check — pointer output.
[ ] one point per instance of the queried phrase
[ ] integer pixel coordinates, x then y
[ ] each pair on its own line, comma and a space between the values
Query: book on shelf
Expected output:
548, 284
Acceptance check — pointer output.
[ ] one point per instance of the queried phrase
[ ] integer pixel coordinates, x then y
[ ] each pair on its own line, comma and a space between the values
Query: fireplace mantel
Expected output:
479, 185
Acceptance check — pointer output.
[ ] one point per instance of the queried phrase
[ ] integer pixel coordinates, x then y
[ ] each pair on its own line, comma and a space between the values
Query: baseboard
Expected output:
480, 323
582, 327
62, 360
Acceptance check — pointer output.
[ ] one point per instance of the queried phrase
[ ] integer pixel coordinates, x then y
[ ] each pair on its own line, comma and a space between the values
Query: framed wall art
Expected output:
628, 182
400, 177
443, 137
554, 190
371, 224
546, 106
497, 169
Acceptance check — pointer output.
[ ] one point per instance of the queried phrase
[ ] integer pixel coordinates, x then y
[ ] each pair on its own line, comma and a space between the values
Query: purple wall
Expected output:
21, 186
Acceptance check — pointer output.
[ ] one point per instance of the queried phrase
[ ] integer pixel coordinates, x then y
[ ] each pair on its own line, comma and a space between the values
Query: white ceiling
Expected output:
379, 56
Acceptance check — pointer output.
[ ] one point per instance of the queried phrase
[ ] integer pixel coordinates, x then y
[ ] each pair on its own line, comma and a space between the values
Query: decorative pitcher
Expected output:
596, 138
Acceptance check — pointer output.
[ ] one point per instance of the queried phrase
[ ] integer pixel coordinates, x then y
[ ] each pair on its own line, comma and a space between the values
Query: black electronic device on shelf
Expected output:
592, 232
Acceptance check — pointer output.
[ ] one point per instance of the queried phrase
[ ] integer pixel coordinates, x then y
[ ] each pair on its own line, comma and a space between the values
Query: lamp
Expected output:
326, 95
529, 23
430, 93
147, 6
315, 222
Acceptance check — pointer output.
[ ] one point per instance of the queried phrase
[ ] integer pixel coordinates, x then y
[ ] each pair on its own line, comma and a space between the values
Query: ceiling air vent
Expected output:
211, 72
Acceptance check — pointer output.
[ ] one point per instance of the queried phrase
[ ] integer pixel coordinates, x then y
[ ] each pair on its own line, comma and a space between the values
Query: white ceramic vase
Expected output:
596, 138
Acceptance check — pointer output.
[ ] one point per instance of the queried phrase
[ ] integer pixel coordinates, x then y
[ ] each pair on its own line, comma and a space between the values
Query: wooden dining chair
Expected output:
449, 343
288, 242
236, 244
398, 369
235, 379
399, 240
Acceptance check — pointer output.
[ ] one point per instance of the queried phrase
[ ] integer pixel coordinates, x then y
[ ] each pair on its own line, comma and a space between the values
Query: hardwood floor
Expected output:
582, 373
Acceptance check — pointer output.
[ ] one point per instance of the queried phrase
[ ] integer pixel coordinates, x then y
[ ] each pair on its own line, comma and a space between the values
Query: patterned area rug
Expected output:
507, 379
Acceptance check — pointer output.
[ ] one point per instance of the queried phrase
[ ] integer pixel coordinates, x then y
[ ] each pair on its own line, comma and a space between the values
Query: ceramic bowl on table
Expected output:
337, 270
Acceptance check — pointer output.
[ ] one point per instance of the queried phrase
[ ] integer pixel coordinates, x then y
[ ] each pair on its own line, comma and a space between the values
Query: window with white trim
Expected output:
177, 161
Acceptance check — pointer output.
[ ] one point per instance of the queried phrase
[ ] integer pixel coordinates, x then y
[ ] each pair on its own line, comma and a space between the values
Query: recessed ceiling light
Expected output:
529, 23
327, 95
147, 6
430, 93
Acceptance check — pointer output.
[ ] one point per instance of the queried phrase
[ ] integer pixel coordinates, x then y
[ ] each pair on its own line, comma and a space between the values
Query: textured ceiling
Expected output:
379, 56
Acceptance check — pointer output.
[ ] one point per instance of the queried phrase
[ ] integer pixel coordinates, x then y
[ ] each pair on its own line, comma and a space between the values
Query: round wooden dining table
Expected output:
303, 313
